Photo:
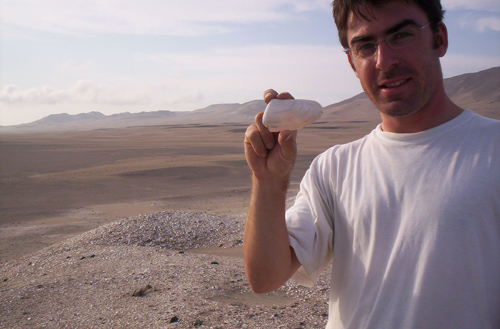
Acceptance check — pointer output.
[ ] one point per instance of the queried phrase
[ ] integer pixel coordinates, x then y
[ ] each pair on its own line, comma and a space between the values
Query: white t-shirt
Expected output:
412, 224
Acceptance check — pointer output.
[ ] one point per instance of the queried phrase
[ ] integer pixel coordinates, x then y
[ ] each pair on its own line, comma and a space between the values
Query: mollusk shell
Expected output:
290, 114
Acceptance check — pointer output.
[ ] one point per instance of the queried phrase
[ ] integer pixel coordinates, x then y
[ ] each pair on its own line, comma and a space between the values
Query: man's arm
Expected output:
269, 259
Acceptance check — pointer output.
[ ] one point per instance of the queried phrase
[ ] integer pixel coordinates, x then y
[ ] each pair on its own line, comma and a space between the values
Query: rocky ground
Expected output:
162, 270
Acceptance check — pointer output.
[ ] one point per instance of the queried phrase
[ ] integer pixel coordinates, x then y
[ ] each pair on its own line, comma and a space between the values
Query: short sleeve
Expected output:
310, 224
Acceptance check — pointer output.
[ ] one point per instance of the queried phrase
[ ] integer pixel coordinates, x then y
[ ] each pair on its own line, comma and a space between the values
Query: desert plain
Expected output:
55, 185
60, 190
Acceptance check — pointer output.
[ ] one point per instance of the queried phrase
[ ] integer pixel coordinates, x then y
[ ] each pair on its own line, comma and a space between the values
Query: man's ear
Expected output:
349, 59
441, 39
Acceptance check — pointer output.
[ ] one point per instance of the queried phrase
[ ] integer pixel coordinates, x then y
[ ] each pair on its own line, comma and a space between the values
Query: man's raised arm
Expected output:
269, 259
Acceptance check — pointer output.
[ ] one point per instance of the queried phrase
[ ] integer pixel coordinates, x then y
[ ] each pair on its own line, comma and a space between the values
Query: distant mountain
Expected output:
478, 91
224, 113
213, 114
480, 86
64, 118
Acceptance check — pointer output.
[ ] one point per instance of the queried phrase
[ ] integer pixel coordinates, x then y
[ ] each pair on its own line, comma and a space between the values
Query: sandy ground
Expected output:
57, 188
56, 185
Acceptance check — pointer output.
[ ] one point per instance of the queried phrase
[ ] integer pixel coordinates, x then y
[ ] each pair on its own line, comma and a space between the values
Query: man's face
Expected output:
400, 82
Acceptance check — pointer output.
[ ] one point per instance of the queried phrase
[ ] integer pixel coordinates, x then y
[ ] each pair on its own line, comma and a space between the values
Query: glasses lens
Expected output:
402, 39
366, 49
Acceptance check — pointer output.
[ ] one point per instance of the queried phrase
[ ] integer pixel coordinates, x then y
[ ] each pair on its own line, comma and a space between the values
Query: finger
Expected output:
254, 140
269, 95
266, 135
287, 140
285, 95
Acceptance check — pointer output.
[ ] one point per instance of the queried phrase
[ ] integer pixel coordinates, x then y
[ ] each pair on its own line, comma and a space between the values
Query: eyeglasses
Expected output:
398, 40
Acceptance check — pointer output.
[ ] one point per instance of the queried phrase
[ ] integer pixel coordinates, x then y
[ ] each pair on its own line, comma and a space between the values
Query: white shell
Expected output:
290, 114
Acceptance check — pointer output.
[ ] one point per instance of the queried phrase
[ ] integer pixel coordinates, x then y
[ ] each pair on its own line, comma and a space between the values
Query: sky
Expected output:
115, 56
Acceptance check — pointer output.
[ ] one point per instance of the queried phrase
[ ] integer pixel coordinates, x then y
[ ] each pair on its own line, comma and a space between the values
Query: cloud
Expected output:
480, 21
84, 91
481, 15
488, 23
169, 17
192, 80
483, 5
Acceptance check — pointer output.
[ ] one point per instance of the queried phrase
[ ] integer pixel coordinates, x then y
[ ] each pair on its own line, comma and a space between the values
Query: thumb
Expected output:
287, 140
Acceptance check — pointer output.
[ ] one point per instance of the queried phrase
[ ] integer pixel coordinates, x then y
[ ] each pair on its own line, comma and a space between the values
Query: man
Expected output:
409, 214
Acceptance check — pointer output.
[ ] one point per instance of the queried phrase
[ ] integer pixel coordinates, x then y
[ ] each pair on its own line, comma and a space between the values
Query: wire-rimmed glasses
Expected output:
397, 40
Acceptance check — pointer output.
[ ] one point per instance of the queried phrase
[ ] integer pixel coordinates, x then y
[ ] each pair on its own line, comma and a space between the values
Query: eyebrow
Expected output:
395, 28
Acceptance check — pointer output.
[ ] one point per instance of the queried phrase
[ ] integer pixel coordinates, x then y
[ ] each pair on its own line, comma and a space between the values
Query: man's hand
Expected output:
270, 155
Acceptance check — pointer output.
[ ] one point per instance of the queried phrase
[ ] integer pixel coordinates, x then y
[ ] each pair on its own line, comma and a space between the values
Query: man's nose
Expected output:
386, 57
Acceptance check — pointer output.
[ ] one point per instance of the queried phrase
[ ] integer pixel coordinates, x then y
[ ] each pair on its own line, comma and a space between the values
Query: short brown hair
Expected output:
342, 9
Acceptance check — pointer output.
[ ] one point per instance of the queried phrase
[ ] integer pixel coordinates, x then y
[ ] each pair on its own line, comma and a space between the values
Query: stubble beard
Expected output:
404, 106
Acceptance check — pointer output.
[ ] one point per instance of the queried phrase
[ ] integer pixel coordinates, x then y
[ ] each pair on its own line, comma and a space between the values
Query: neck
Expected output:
432, 115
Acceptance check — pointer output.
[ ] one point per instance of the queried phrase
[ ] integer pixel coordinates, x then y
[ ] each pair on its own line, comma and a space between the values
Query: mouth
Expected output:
394, 84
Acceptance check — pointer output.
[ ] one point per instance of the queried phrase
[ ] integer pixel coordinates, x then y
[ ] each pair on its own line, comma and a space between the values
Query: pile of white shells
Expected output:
174, 230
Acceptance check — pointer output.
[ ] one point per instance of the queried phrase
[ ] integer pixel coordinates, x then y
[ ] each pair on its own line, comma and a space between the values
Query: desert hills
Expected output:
479, 91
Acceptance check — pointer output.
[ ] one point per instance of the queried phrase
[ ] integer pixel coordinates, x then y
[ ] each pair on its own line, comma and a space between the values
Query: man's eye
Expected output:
402, 39
367, 46
402, 35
